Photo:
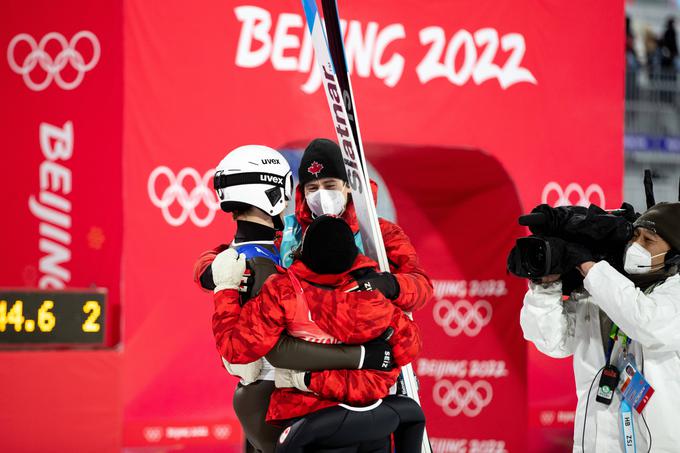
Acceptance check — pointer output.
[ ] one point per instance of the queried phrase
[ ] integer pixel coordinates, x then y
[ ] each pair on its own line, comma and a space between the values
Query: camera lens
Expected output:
534, 256
536, 262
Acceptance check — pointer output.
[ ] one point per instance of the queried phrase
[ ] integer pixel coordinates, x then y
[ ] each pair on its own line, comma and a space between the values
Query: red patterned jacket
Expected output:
415, 287
246, 333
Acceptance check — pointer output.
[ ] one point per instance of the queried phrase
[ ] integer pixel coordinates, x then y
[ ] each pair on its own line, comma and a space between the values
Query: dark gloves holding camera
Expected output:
368, 280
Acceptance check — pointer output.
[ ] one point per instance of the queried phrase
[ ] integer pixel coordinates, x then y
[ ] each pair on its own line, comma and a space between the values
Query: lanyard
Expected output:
627, 427
625, 411
615, 334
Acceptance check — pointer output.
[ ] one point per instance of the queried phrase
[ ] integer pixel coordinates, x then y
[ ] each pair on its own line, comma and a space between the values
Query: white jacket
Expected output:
572, 328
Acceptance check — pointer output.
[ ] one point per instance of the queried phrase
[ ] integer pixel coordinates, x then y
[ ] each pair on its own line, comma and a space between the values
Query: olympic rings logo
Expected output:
153, 433
462, 316
188, 200
53, 67
547, 418
462, 397
221, 431
564, 195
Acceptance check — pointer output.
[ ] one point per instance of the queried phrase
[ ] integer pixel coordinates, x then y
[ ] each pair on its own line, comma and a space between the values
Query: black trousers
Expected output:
340, 430
250, 404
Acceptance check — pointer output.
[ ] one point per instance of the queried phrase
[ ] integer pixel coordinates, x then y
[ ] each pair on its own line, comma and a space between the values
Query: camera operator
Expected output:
645, 306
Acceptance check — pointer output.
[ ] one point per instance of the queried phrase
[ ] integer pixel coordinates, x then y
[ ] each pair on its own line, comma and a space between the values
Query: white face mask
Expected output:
638, 260
326, 202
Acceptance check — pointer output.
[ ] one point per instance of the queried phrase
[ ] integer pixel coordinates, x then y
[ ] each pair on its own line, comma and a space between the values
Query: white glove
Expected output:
290, 378
248, 372
227, 269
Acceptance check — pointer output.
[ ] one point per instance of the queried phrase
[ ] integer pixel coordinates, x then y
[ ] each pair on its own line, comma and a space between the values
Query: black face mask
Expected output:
328, 246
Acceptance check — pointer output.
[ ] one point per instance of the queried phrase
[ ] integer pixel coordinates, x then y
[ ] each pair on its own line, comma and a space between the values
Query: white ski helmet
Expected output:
254, 175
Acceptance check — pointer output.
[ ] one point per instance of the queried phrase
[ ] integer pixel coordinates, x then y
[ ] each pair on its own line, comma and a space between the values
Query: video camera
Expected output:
562, 237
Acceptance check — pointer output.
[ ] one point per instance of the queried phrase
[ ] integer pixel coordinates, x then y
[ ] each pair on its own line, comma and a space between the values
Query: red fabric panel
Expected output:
61, 401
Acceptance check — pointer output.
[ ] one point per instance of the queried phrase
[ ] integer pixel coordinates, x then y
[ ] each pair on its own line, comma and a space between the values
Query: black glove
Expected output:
207, 279
378, 353
370, 280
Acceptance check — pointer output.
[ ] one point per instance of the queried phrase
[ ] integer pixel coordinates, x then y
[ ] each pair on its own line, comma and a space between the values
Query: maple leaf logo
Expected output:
315, 168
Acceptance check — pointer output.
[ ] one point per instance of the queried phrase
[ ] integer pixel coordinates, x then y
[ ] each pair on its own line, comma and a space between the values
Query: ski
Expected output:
330, 56
356, 172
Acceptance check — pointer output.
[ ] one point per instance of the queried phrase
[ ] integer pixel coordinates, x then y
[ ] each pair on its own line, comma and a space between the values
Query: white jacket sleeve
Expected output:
653, 320
548, 322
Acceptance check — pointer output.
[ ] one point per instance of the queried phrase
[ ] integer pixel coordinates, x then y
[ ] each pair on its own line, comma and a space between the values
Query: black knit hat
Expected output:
663, 219
328, 246
321, 159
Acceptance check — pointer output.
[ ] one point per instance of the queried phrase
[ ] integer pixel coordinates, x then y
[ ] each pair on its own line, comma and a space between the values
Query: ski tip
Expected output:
330, 10
311, 12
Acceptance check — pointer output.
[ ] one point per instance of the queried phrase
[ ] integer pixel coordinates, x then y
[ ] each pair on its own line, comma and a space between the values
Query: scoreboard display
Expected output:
34, 318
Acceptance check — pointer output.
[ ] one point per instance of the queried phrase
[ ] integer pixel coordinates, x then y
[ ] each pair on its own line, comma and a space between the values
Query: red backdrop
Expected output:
535, 86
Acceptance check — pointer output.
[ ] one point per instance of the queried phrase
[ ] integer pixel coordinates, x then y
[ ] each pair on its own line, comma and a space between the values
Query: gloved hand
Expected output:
284, 378
208, 283
378, 353
368, 279
206, 279
227, 270
248, 372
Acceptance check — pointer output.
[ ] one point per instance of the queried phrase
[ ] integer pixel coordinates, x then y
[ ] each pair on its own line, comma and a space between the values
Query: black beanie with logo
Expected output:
322, 159
328, 246
663, 219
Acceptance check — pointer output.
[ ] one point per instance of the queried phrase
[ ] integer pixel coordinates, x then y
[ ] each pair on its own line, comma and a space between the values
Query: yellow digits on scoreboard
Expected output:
46, 319
3, 315
94, 309
16, 315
